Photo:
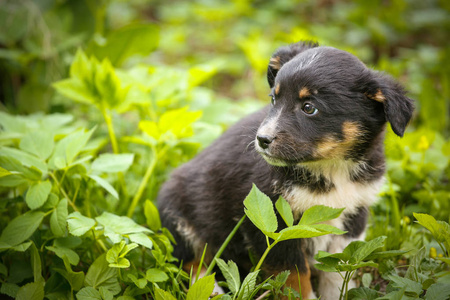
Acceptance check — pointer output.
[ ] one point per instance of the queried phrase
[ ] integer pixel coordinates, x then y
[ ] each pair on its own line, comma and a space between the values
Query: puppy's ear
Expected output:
398, 108
283, 55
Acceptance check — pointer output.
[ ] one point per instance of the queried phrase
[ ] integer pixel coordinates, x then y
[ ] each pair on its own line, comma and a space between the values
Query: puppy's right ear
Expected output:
283, 55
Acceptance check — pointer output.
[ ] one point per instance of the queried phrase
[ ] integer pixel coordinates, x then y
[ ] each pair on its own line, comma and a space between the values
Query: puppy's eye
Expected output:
272, 99
309, 109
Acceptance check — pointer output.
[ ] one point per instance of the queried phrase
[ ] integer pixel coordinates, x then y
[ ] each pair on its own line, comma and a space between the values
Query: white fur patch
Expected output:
345, 193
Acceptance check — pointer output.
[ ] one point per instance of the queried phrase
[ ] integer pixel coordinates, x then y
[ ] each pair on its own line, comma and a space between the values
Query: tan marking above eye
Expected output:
277, 89
275, 62
304, 92
378, 96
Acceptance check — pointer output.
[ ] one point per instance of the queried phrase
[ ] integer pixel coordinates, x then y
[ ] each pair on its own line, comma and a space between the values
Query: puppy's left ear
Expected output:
398, 108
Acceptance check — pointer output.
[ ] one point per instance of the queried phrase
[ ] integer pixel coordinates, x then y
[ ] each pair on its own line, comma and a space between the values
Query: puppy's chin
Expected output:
275, 161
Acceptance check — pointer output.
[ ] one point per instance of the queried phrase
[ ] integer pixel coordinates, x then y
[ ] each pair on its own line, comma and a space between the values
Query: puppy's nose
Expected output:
264, 141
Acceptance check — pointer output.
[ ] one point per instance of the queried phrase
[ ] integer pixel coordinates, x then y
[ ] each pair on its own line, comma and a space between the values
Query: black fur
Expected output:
203, 200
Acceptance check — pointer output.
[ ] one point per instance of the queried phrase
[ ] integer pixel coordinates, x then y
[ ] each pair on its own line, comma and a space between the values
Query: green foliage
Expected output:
99, 104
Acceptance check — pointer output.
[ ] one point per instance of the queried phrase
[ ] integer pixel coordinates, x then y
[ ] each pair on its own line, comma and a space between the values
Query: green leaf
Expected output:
22, 247
112, 163
121, 225
14, 166
248, 285
231, 273
115, 255
4, 172
79, 224
38, 193
259, 209
75, 279
9, 289
26, 160
140, 283
21, 228
75, 90
58, 219
318, 214
438, 291
156, 275
163, 295
409, 285
285, 211
36, 264
88, 293
106, 185
152, 215
31, 291
127, 41
39, 143
439, 229
61, 252
297, 232
141, 239
100, 274
106, 294
366, 249
67, 149
201, 289
362, 293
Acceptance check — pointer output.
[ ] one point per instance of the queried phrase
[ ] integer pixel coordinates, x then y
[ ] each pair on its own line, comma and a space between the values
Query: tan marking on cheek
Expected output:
304, 92
378, 96
277, 89
351, 131
275, 63
331, 147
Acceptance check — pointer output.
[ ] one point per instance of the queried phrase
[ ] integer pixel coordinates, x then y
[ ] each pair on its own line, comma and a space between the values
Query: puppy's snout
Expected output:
264, 141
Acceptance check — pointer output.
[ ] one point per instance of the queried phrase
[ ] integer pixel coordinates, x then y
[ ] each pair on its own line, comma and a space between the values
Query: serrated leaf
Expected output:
39, 143
297, 232
79, 224
156, 275
100, 274
9, 289
152, 215
58, 219
88, 293
105, 293
37, 194
31, 291
259, 209
285, 211
248, 285
21, 228
141, 239
106, 185
319, 213
201, 289
15, 166
439, 229
366, 249
231, 273
26, 160
112, 163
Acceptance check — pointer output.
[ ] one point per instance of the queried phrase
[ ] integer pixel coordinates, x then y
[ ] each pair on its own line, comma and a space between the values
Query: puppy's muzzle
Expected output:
264, 141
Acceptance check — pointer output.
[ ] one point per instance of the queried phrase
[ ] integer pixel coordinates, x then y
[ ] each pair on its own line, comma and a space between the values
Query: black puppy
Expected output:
319, 142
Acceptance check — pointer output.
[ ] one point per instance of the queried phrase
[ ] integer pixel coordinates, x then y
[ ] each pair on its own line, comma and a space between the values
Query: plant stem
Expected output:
263, 257
143, 184
224, 245
63, 192
115, 146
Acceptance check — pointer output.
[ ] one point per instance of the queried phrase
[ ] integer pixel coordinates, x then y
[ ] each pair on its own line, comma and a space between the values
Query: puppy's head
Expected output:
326, 104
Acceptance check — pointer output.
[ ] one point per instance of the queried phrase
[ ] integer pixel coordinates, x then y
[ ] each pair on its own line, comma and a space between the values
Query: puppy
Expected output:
320, 141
